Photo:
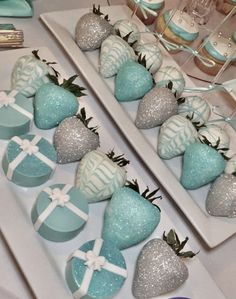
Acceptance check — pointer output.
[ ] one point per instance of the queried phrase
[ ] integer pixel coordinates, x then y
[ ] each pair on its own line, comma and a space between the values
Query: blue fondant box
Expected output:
16, 114
96, 270
59, 212
29, 160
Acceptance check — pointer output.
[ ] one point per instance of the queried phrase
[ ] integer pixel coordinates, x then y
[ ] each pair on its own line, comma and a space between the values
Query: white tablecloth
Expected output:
220, 262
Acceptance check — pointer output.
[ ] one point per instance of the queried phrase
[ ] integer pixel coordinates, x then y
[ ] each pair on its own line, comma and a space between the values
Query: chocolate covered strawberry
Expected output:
130, 217
160, 268
30, 72
221, 198
54, 102
156, 107
99, 175
74, 138
92, 29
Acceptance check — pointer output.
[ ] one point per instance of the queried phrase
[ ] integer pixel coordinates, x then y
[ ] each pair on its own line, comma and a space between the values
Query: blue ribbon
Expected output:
144, 9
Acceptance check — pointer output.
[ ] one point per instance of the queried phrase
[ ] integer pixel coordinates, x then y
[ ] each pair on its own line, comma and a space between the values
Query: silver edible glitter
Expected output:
72, 140
91, 30
158, 271
221, 199
155, 108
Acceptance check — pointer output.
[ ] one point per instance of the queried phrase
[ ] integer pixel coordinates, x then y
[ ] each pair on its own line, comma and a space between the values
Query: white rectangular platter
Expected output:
43, 262
62, 25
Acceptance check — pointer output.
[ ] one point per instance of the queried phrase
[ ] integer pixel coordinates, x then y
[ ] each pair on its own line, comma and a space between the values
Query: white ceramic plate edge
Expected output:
207, 227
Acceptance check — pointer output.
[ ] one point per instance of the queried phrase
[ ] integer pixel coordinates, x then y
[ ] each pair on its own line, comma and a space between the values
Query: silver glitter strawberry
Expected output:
159, 267
221, 199
73, 138
156, 107
92, 29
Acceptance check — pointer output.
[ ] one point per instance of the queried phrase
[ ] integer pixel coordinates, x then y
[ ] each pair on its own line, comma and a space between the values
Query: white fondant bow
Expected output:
95, 260
28, 148
59, 197
7, 99
10, 99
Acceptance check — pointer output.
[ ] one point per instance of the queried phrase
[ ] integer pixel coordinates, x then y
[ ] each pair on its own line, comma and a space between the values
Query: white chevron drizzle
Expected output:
215, 134
152, 55
98, 177
175, 135
125, 27
114, 52
28, 75
196, 107
170, 73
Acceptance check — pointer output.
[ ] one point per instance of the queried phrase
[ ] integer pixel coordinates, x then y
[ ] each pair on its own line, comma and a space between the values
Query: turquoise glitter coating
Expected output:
12, 122
52, 104
129, 218
202, 164
62, 224
31, 171
179, 31
104, 284
132, 82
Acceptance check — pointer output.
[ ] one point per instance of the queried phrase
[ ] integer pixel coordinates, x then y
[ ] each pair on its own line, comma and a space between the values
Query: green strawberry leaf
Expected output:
173, 241
73, 88
180, 100
119, 160
53, 79
98, 12
170, 85
36, 55
146, 194
83, 118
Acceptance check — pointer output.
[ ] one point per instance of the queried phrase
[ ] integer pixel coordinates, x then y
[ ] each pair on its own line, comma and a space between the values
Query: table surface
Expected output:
220, 261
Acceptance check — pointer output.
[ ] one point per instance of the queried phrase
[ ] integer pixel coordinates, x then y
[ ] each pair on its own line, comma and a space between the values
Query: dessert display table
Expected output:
220, 261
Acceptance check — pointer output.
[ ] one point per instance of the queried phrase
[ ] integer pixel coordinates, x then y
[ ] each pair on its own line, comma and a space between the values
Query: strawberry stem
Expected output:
36, 55
149, 196
173, 241
69, 85
83, 118
98, 12
119, 160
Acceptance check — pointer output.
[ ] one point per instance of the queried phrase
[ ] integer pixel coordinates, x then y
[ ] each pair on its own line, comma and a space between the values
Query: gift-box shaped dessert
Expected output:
16, 113
29, 160
59, 212
96, 270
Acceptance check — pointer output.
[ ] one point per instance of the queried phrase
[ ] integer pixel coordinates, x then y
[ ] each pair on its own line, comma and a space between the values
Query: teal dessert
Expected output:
114, 53
29, 73
60, 212
202, 164
16, 114
177, 27
218, 49
97, 270
132, 82
29, 160
130, 217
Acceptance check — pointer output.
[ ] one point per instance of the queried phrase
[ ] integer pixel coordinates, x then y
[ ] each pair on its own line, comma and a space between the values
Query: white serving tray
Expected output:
43, 262
62, 25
